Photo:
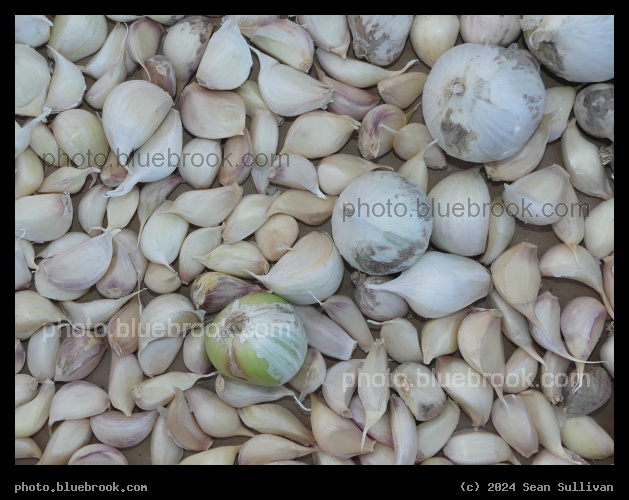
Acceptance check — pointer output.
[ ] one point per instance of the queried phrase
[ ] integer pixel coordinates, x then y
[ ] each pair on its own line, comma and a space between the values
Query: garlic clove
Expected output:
265, 448
264, 132
121, 209
250, 93
215, 417
520, 371
238, 148
554, 376
248, 215
374, 139
23, 274
132, 112
433, 286
336, 435
237, 259
496, 30
559, 101
404, 432
160, 390
153, 194
166, 20
200, 162
524, 161
164, 451
472, 393
25, 389
402, 90
537, 197
124, 374
144, 39
159, 70
339, 386
163, 235
67, 85
344, 312
33, 31
212, 114
32, 311
106, 57
402, 340
311, 374
545, 422
607, 354
49, 290
20, 356
433, 35
29, 173
415, 137
199, 242
440, 336
381, 455
78, 399
276, 420
296, 172
26, 448
571, 228
336, 172
373, 385
378, 305
68, 438
182, 426
585, 437
67, 179
321, 279
353, 72
42, 350
161, 279
583, 163
223, 455
114, 76
276, 236
419, 389
514, 424
433, 434
561, 262
213, 291
32, 80
203, 207
331, 32
121, 277
501, 231
227, 61
599, 230
78, 356
114, 428
288, 91
76, 36
286, 41
123, 329
478, 448
317, 134
98, 454
348, 100
82, 136
43, 217
480, 343
31, 417
195, 356
304, 206
92, 209
184, 45
239, 394
322, 458
545, 457
325, 335
61, 244
437, 461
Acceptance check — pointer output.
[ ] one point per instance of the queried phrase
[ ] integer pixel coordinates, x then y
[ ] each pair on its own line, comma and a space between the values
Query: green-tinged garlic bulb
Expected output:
258, 339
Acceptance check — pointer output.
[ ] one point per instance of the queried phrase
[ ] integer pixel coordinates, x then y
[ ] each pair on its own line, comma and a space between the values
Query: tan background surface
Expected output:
542, 236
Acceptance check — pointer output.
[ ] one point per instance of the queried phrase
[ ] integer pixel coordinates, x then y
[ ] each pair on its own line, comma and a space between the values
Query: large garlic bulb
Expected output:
482, 103
577, 48
382, 223
257, 338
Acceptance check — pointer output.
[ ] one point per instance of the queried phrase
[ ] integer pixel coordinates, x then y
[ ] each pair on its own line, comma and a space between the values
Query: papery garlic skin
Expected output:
431, 36
495, 30
471, 135
379, 39
381, 245
577, 48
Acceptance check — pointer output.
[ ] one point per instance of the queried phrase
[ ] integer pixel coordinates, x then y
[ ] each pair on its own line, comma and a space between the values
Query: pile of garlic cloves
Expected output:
493, 343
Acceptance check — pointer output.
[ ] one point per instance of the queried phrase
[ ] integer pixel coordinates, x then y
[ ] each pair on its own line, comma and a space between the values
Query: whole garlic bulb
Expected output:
382, 223
483, 102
